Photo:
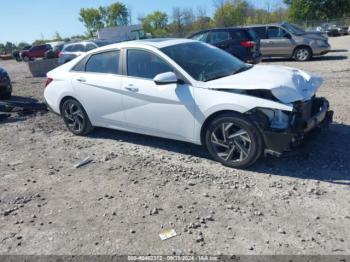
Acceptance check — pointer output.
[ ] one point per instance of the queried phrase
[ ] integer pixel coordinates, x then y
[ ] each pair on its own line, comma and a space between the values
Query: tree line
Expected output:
181, 21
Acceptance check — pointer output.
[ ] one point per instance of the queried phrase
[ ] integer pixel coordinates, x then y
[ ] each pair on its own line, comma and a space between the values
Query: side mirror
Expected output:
165, 78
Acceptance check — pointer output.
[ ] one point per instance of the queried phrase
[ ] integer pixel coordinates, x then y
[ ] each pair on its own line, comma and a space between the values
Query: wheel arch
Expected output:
64, 99
302, 46
210, 118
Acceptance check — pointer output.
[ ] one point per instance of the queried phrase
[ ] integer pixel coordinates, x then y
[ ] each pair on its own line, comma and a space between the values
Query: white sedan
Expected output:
189, 91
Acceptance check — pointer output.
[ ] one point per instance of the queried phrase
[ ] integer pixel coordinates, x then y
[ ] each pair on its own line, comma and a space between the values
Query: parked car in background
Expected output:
333, 29
16, 54
288, 40
190, 91
5, 84
71, 51
54, 53
34, 52
239, 42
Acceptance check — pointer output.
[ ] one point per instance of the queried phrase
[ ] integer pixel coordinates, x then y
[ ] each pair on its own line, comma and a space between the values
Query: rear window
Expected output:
107, 63
200, 37
239, 35
219, 36
68, 48
89, 47
78, 48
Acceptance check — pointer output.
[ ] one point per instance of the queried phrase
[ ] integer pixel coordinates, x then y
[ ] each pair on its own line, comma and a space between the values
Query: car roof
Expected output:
263, 25
155, 42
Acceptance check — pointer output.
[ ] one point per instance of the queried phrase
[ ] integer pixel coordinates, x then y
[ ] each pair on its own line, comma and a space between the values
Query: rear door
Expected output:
261, 33
97, 82
280, 42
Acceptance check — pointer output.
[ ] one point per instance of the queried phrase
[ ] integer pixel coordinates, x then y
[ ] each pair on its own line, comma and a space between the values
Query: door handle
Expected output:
81, 79
132, 89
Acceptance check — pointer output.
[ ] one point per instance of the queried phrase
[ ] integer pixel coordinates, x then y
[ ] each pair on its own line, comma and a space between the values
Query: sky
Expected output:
28, 20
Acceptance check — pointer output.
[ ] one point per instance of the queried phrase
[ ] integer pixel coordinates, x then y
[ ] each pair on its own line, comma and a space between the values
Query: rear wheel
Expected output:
303, 53
8, 94
26, 59
75, 117
233, 140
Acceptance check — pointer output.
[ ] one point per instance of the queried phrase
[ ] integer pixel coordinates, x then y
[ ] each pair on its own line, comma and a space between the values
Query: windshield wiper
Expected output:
216, 77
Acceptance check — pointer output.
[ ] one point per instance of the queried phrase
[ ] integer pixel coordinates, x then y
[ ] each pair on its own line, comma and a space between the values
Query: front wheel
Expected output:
75, 118
303, 54
234, 140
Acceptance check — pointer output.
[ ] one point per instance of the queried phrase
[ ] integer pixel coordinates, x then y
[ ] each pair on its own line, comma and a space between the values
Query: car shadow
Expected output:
316, 58
324, 157
157, 142
17, 108
338, 50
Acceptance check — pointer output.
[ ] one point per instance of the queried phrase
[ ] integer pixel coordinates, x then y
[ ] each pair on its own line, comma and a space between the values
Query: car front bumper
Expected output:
278, 142
321, 50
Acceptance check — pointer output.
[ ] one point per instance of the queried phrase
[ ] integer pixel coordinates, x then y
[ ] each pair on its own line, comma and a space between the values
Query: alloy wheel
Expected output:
74, 117
231, 143
302, 54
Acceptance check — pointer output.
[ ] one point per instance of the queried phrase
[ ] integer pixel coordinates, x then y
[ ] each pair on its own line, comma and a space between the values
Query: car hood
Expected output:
314, 35
286, 84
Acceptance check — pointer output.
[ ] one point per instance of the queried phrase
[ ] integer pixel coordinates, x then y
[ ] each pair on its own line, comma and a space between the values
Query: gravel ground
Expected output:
137, 185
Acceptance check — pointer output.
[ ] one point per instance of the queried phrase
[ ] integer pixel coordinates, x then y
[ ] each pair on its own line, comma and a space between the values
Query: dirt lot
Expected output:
137, 185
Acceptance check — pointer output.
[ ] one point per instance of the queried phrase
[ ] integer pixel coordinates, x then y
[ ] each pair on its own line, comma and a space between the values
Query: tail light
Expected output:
248, 44
60, 54
48, 81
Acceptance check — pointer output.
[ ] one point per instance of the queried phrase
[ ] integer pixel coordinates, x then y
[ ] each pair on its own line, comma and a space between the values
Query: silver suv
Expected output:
288, 40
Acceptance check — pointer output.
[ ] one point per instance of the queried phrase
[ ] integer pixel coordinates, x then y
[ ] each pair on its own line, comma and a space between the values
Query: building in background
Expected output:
121, 33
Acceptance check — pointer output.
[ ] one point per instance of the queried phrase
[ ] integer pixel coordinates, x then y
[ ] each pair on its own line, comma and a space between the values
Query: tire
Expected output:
240, 151
75, 117
302, 53
26, 59
7, 95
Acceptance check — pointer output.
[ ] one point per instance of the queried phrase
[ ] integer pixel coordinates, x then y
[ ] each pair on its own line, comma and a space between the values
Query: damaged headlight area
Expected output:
282, 130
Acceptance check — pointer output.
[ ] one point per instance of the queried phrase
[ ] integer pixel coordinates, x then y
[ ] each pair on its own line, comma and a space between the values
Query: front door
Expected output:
161, 110
279, 42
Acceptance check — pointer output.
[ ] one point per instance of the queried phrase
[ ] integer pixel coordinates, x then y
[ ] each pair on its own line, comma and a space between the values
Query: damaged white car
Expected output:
189, 91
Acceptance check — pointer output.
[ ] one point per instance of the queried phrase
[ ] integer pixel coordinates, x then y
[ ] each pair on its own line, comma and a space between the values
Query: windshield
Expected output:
293, 29
204, 62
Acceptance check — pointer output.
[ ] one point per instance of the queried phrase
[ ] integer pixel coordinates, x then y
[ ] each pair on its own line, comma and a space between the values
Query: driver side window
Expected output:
144, 64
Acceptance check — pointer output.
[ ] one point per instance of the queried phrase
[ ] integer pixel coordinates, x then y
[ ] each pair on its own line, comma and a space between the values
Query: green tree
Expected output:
92, 20
21, 45
316, 9
156, 23
231, 13
117, 14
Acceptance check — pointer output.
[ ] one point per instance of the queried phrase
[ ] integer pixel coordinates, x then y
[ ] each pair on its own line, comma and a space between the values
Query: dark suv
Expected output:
37, 51
240, 42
